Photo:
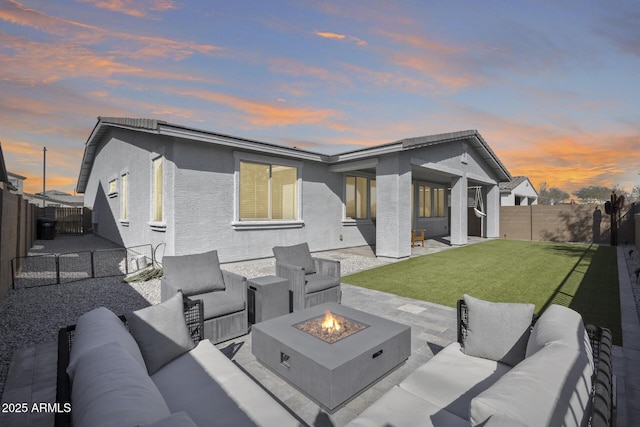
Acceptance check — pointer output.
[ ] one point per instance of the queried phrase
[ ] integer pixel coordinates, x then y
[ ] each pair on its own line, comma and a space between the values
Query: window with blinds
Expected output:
268, 192
124, 214
157, 214
359, 190
113, 188
431, 201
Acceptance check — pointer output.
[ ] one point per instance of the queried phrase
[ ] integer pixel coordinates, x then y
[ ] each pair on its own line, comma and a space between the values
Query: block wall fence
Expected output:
17, 233
566, 223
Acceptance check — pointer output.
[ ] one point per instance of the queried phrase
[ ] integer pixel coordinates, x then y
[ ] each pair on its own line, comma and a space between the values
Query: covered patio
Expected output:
426, 183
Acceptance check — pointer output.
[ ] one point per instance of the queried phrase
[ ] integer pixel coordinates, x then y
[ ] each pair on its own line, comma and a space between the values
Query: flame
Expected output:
330, 323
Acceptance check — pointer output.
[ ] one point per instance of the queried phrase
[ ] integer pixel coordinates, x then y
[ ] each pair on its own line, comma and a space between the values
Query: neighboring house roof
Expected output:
511, 185
56, 197
160, 127
15, 175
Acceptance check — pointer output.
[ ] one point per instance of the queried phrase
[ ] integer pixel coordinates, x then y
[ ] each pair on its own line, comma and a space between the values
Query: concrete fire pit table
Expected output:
331, 373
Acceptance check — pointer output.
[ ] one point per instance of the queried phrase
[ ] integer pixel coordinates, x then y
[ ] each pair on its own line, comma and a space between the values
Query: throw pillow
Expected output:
298, 255
559, 324
161, 332
497, 331
96, 328
195, 274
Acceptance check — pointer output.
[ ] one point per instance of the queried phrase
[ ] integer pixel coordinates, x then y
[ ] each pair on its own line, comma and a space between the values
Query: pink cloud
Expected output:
135, 8
341, 37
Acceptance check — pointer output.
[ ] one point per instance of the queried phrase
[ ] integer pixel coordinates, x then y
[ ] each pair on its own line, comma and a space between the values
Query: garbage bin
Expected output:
46, 228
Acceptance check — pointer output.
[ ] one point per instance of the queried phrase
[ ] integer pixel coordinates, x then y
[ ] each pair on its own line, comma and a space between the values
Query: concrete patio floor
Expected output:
32, 374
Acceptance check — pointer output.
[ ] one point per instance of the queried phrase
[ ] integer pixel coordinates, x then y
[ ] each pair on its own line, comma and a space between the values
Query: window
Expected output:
156, 190
124, 214
431, 201
113, 188
359, 190
438, 201
424, 201
268, 192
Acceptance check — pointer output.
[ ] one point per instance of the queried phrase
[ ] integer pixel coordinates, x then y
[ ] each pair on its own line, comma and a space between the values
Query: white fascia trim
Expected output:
372, 152
481, 179
436, 167
238, 143
354, 166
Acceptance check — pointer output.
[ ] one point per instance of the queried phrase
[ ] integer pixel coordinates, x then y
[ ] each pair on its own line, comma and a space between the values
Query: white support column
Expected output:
459, 209
492, 229
393, 222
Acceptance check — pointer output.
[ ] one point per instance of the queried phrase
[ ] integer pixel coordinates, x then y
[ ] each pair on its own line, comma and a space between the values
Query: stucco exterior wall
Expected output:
200, 197
205, 203
199, 201
132, 153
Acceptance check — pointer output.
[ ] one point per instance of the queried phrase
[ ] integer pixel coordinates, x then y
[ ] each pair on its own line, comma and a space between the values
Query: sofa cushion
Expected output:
399, 408
161, 332
316, 282
497, 331
450, 379
179, 419
216, 304
559, 324
550, 388
110, 388
195, 274
298, 255
208, 386
96, 328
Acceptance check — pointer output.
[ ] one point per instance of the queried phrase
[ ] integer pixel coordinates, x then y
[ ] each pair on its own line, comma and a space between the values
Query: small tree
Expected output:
551, 196
593, 194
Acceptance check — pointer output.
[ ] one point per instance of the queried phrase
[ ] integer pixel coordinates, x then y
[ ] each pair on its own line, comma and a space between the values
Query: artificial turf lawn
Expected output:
582, 277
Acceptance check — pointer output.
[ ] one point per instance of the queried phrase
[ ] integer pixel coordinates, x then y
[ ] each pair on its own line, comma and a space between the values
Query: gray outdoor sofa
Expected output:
223, 294
153, 368
312, 280
502, 372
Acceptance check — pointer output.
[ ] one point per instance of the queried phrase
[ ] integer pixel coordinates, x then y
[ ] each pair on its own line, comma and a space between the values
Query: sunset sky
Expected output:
552, 86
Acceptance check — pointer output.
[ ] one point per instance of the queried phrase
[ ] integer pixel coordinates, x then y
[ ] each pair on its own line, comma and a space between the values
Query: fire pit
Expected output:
330, 327
333, 364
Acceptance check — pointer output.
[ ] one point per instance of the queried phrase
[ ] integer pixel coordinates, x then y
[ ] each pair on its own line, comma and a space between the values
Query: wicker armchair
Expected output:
312, 281
223, 294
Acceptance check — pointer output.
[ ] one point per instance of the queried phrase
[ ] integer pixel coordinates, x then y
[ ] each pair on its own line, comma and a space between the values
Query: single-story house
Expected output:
152, 182
518, 192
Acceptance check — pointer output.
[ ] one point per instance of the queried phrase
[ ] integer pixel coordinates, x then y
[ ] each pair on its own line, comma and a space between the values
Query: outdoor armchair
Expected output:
312, 280
223, 294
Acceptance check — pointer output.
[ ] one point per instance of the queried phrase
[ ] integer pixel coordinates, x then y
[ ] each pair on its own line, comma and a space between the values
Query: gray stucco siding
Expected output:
206, 206
201, 191
131, 153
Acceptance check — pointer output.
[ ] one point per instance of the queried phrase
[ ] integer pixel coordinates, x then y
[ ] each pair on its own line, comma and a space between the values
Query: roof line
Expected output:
165, 128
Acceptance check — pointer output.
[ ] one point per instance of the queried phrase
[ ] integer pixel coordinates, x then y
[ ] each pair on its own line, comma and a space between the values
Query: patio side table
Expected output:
267, 297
